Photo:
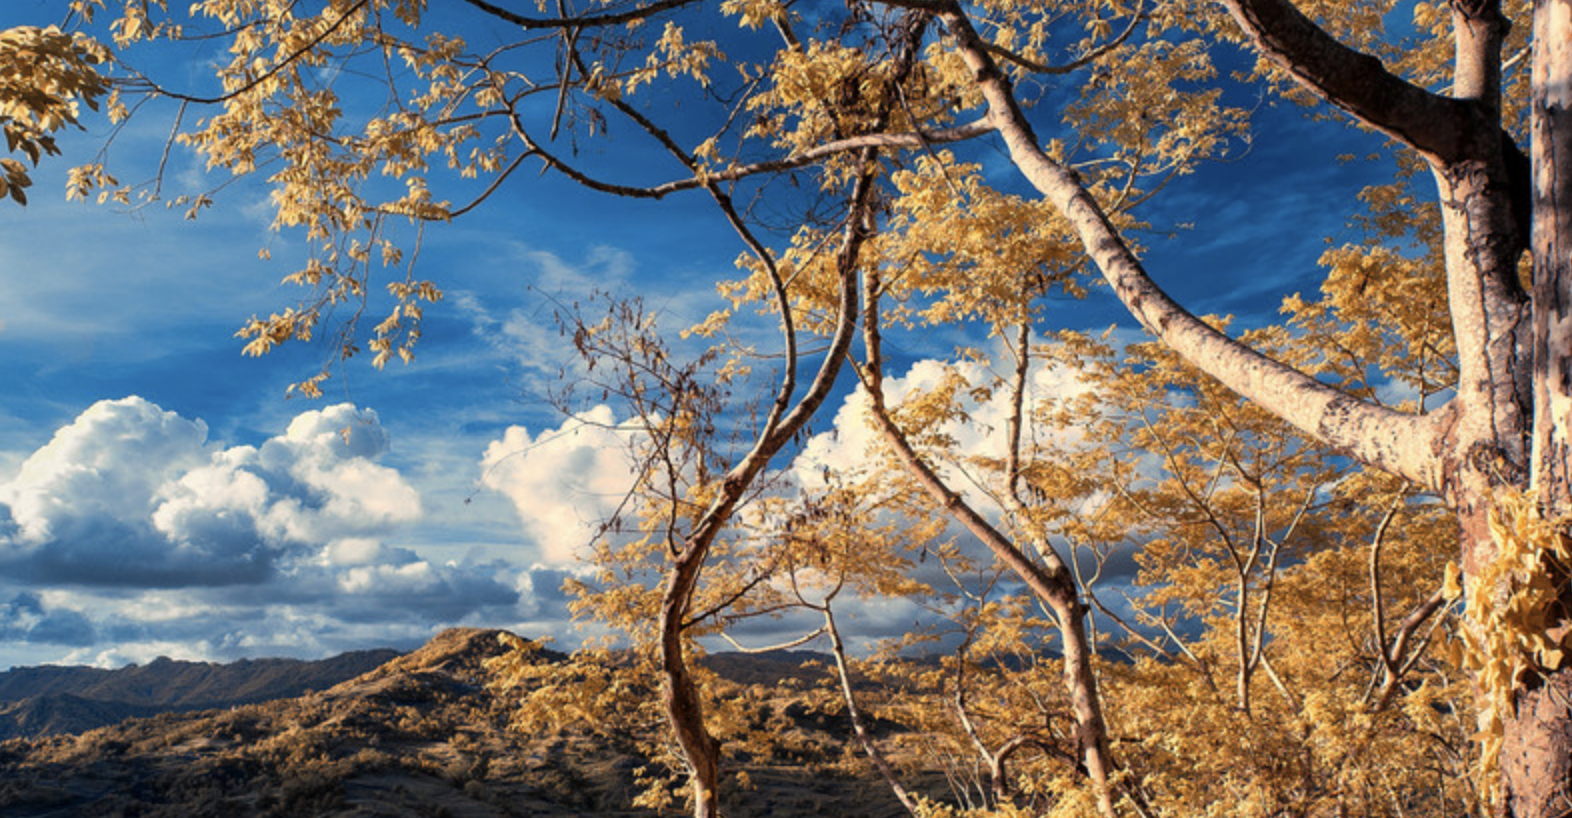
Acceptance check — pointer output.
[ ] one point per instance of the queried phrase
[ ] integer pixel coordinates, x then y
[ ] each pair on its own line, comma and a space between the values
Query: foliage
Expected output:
1514, 632
1279, 648
45, 76
1284, 496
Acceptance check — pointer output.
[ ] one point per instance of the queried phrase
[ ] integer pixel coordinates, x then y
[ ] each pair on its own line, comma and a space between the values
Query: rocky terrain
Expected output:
421, 735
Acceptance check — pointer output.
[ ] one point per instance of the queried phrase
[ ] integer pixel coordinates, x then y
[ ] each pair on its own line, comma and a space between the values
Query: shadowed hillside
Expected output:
421, 735
50, 700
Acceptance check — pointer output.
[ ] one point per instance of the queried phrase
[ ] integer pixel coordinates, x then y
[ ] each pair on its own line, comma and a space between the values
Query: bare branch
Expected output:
1442, 127
616, 18
787, 645
864, 737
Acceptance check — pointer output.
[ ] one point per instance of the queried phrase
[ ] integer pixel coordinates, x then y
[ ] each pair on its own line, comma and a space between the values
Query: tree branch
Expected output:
584, 21
1376, 435
1441, 127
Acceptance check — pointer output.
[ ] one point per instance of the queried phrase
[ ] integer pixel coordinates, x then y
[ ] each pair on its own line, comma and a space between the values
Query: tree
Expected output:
1503, 431
1130, 94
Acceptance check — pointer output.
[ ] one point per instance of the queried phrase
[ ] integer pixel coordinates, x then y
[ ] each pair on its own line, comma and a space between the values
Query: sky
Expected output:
160, 495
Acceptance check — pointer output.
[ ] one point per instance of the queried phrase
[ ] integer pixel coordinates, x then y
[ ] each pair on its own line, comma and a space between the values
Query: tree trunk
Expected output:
1536, 752
1510, 425
1536, 757
1551, 153
1049, 581
679, 694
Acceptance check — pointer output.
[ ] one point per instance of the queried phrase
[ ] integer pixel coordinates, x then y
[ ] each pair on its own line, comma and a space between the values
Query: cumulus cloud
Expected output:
78, 510
131, 528
131, 495
844, 448
563, 483
373, 580
316, 482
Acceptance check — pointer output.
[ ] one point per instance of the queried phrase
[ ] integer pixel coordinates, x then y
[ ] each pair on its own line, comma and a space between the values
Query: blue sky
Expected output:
160, 496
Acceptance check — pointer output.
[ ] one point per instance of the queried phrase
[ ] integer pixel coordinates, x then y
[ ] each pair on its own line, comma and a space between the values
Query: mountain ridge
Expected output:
427, 733
58, 699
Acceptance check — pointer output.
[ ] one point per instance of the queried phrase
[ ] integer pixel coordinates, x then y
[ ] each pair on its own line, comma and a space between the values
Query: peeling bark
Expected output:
1536, 759
1551, 147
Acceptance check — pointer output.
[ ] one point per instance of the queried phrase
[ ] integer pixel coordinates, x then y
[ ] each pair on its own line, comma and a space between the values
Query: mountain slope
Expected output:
422, 735
49, 700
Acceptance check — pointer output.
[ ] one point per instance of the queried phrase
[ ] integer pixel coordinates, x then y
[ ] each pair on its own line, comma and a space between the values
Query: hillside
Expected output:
51, 700
421, 735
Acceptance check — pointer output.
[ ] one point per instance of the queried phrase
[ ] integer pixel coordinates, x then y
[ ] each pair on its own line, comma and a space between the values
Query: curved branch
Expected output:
1445, 128
1376, 435
585, 21
912, 140
1050, 581
1071, 67
264, 76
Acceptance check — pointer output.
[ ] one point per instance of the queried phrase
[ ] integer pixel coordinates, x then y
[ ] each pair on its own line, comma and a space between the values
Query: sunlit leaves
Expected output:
45, 75
1264, 587
1382, 315
1516, 627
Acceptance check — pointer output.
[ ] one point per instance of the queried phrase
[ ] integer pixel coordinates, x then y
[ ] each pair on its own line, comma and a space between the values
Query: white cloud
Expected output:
563, 483
843, 453
108, 462
983, 432
131, 495
130, 527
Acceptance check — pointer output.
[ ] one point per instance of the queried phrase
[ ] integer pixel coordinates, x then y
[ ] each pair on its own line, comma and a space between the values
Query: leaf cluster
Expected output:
45, 76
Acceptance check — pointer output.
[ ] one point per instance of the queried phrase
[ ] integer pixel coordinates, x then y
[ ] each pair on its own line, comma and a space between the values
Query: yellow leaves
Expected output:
44, 74
276, 329
398, 333
929, 808
823, 73
1150, 108
590, 689
417, 203
1452, 588
1510, 632
754, 13
310, 387
14, 181
971, 251
672, 57
409, 11
831, 89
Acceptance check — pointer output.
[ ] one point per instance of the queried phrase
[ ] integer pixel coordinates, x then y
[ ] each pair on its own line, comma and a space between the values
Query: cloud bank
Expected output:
130, 495
130, 527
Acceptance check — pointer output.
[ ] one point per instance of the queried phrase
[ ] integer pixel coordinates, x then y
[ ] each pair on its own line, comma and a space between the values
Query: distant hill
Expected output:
49, 700
422, 735
770, 667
